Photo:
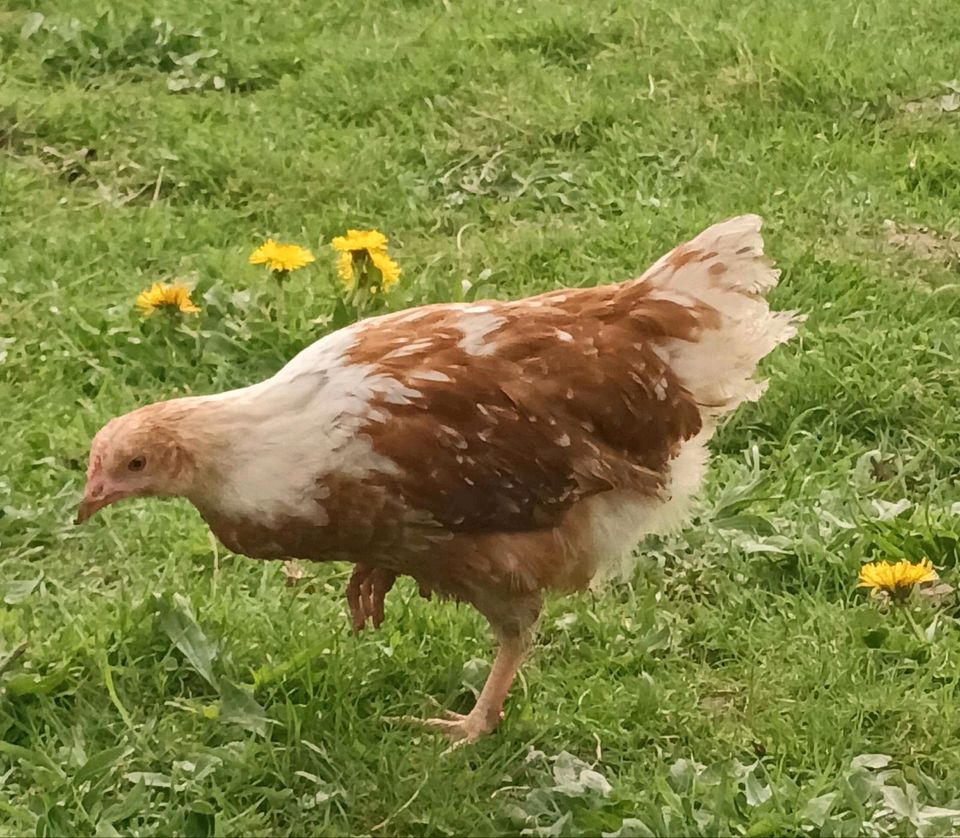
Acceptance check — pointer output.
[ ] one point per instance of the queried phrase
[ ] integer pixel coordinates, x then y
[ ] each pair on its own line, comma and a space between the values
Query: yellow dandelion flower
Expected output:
172, 296
389, 270
357, 240
281, 257
896, 579
359, 245
345, 269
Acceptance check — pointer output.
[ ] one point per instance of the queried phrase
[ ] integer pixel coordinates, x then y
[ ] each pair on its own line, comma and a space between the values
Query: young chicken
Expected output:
493, 451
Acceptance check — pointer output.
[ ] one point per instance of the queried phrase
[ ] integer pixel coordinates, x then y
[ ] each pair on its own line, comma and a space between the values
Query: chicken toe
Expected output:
488, 711
366, 592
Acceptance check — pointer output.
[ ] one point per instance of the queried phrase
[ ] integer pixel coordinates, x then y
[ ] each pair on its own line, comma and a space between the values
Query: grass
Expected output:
738, 684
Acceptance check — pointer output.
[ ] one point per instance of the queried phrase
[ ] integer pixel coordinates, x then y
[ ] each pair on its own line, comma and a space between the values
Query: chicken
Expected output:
494, 451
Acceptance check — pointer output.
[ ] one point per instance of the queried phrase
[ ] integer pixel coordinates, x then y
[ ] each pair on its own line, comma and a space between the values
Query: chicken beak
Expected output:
93, 501
88, 507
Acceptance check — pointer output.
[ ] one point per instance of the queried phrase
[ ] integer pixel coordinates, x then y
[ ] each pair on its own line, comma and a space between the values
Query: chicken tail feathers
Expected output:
724, 276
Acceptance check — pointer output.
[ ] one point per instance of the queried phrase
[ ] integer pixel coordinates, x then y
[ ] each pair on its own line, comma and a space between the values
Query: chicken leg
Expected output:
488, 710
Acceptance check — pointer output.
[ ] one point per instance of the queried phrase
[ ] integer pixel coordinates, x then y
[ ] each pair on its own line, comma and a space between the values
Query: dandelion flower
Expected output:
357, 240
896, 579
345, 269
281, 257
360, 245
171, 297
389, 270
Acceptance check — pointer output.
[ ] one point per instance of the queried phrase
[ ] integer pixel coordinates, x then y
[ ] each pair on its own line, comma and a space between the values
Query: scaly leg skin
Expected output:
366, 591
488, 710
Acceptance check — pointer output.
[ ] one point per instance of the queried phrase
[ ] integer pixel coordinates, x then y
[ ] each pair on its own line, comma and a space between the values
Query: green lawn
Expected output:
153, 684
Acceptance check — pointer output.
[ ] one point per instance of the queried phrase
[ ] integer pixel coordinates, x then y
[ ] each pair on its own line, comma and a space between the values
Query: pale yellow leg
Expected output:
488, 710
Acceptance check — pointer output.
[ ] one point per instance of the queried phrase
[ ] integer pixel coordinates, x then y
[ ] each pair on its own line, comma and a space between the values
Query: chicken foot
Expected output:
366, 591
488, 710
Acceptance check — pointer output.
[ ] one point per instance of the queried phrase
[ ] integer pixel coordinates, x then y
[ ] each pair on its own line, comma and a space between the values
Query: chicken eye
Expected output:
137, 464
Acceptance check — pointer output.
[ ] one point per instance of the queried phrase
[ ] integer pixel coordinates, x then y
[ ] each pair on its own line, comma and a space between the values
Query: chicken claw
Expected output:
488, 711
461, 729
366, 591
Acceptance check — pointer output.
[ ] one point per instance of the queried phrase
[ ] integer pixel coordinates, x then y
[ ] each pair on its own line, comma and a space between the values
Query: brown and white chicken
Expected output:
494, 451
